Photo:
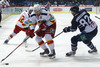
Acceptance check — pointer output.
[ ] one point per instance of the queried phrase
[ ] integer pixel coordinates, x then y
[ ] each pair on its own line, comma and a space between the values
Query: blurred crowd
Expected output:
55, 2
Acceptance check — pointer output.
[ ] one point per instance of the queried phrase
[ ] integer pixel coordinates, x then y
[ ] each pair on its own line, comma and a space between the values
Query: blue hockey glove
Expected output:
66, 29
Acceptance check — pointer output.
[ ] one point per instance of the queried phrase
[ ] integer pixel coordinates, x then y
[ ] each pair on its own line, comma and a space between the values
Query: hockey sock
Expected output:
49, 41
41, 42
11, 36
73, 47
90, 45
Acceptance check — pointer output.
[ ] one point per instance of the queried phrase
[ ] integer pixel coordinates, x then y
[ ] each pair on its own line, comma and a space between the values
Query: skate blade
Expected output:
52, 57
46, 55
70, 55
94, 53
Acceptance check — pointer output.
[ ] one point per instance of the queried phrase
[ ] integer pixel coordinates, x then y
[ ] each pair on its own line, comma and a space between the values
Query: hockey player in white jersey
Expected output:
22, 24
87, 27
47, 28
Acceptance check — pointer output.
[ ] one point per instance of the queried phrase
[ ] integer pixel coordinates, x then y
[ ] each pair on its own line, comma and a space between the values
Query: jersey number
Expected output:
85, 21
21, 19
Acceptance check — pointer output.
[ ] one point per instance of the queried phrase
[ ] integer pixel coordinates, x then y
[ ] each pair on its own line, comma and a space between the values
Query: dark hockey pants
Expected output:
85, 38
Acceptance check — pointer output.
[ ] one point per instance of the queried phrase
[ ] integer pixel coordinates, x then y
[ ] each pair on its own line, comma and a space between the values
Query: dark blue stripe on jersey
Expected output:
43, 13
33, 15
44, 9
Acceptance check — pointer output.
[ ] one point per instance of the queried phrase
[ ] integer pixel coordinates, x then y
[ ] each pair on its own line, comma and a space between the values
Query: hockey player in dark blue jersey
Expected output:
87, 27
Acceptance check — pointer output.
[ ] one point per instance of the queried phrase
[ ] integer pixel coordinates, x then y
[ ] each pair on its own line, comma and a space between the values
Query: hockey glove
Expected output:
30, 33
66, 29
43, 26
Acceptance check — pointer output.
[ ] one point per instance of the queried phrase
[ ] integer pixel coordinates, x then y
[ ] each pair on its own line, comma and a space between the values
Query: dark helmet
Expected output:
75, 9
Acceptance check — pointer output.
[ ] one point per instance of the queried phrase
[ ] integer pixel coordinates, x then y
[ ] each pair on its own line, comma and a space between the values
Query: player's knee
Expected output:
38, 39
86, 42
48, 37
74, 40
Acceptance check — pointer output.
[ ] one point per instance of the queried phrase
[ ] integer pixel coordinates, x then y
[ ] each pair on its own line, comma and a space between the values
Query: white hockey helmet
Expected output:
31, 8
37, 8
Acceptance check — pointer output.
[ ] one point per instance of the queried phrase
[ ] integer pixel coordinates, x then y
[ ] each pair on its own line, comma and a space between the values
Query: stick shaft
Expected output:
58, 34
97, 17
14, 50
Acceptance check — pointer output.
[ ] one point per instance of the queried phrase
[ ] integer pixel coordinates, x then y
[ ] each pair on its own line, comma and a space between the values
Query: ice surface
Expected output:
21, 58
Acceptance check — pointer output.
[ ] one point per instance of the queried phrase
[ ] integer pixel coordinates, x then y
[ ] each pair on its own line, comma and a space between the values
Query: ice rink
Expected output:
21, 58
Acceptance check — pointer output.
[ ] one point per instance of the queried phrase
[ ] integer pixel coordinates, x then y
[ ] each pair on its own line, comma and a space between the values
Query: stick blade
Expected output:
2, 60
32, 50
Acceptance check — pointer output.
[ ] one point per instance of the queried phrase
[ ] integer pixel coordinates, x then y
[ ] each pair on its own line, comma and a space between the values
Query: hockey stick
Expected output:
97, 17
14, 50
45, 43
16, 47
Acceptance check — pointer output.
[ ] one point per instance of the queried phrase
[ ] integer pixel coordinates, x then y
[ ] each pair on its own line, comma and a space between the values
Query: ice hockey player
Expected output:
3, 4
22, 24
87, 27
47, 28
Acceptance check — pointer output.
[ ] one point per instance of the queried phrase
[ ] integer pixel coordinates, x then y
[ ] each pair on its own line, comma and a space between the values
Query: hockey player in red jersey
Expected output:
47, 28
22, 24
87, 27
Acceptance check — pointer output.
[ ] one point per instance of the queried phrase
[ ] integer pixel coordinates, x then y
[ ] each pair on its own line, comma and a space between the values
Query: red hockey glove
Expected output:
30, 33
43, 26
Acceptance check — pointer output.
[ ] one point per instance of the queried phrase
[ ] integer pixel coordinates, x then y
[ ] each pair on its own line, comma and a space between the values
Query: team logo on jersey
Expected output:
52, 30
83, 37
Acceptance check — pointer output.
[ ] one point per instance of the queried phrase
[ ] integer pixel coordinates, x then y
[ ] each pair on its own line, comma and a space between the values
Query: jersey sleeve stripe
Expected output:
32, 24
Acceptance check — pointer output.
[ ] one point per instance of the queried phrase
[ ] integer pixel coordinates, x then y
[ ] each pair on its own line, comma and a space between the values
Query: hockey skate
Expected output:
52, 56
71, 53
93, 50
45, 53
6, 41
